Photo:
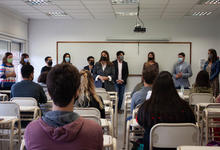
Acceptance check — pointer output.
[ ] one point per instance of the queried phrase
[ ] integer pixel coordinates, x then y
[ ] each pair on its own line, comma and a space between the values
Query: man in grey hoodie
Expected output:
61, 128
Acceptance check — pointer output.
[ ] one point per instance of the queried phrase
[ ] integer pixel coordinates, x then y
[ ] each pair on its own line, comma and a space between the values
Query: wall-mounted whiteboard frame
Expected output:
189, 44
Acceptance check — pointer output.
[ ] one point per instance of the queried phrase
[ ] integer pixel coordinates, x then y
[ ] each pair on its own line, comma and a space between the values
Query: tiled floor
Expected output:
120, 131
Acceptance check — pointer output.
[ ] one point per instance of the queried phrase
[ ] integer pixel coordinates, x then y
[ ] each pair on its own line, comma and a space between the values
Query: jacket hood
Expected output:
65, 133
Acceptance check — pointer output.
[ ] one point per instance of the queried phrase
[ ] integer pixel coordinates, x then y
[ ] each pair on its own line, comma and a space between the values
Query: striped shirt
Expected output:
9, 81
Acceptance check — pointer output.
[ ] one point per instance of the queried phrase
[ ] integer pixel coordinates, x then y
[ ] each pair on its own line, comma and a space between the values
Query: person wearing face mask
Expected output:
151, 61
91, 62
181, 72
28, 88
7, 72
121, 75
212, 66
24, 61
104, 73
48, 67
66, 58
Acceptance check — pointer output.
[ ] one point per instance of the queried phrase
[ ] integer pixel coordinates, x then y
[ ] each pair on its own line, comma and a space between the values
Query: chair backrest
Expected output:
171, 135
89, 113
195, 98
213, 105
24, 101
100, 90
9, 109
104, 95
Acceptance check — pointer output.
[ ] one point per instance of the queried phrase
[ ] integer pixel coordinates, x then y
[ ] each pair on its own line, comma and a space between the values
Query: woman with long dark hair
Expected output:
202, 84
7, 72
104, 73
24, 61
87, 94
164, 106
151, 61
66, 58
212, 66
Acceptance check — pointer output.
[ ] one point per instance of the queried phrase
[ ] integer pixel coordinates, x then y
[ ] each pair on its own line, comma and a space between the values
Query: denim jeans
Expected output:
120, 88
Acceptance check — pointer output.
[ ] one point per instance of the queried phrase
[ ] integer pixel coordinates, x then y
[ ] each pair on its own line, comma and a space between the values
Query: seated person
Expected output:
202, 84
87, 94
137, 87
42, 80
61, 128
164, 106
148, 75
28, 88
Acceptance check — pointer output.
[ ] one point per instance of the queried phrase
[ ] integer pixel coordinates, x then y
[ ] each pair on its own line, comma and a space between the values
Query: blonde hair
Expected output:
87, 88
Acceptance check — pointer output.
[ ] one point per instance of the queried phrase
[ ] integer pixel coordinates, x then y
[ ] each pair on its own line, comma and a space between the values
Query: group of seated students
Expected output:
156, 96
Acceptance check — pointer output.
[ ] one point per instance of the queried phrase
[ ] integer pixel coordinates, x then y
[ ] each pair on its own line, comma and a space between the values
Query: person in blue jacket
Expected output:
212, 66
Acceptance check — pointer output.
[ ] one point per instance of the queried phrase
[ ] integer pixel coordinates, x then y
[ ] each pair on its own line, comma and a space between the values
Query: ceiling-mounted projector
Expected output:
138, 28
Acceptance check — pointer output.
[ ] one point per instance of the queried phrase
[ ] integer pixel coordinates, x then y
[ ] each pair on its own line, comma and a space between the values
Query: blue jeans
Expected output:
120, 88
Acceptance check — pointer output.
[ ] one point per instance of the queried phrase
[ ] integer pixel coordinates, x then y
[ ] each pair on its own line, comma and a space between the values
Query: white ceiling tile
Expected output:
156, 2
98, 9
66, 2
172, 17
125, 6
12, 3
153, 6
72, 7
187, 2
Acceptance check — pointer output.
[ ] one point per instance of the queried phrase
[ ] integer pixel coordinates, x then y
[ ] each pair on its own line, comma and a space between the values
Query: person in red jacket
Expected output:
61, 128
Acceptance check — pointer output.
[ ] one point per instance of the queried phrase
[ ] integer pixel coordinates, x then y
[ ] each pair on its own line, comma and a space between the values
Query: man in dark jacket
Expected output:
121, 75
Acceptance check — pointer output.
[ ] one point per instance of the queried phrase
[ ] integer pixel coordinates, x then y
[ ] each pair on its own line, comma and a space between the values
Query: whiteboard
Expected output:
135, 53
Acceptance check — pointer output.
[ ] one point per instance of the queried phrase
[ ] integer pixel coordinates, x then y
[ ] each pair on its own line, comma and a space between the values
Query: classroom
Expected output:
118, 74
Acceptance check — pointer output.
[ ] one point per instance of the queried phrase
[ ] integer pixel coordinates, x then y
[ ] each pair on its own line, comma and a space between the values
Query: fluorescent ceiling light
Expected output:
57, 13
203, 13
126, 13
118, 2
209, 2
37, 2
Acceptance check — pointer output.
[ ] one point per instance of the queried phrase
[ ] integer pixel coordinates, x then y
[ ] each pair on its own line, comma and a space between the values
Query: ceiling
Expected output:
103, 9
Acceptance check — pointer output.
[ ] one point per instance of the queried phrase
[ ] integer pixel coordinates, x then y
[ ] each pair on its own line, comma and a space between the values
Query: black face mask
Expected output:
103, 58
150, 58
91, 63
50, 63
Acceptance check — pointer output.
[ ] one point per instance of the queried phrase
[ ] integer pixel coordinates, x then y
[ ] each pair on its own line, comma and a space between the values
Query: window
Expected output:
4, 47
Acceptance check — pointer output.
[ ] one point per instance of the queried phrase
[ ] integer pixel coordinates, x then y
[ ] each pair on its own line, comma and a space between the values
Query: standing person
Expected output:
62, 128
24, 61
66, 58
87, 94
181, 72
7, 72
151, 61
91, 62
104, 73
164, 106
212, 66
121, 75
49, 62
